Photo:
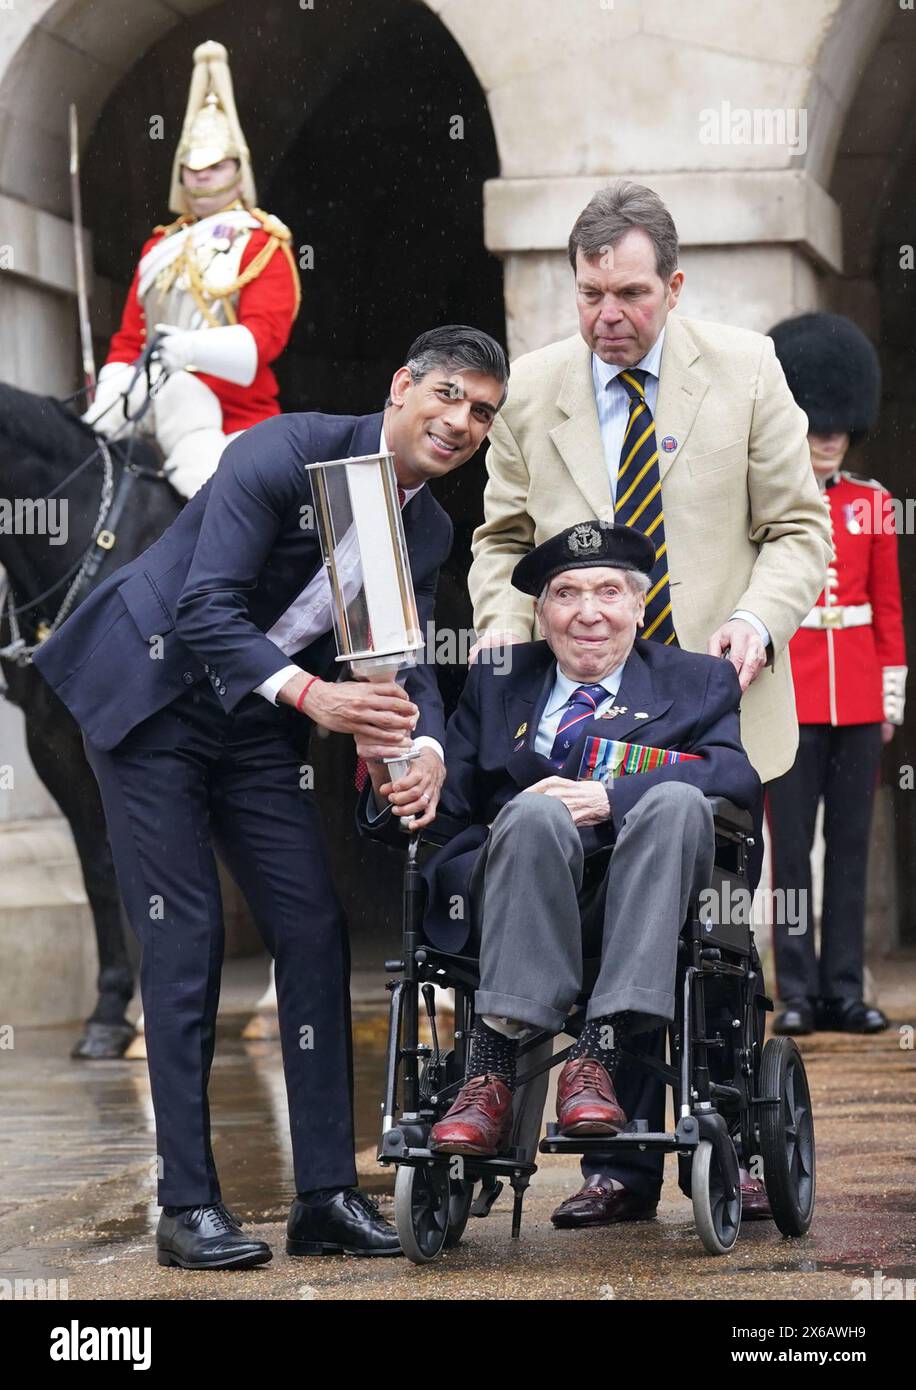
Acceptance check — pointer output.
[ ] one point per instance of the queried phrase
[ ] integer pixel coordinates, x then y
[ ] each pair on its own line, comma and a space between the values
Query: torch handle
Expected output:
397, 768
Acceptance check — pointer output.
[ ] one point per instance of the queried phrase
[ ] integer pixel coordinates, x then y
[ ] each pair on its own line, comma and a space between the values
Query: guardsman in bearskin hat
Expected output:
219, 284
849, 667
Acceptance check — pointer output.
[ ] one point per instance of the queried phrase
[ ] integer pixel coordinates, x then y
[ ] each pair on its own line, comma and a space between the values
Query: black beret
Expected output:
580, 547
833, 372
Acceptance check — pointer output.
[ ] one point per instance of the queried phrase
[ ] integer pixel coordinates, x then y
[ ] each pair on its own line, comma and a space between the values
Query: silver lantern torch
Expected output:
362, 540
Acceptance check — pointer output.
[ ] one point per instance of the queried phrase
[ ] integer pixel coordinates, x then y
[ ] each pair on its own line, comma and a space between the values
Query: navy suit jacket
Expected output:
668, 698
218, 579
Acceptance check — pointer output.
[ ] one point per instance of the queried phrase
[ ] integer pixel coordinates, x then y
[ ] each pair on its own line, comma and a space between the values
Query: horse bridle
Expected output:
101, 542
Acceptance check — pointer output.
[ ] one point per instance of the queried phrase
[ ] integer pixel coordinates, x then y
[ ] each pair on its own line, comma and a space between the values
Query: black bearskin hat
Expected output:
833, 372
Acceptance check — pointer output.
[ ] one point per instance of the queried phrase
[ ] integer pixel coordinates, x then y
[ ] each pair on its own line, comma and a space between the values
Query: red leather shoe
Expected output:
600, 1204
586, 1103
755, 1204
479, 1122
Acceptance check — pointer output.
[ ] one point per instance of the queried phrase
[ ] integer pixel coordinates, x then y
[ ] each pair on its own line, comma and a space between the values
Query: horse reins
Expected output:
101, 542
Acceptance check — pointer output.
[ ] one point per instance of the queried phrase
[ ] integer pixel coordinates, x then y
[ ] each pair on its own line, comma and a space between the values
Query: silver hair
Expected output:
637, 583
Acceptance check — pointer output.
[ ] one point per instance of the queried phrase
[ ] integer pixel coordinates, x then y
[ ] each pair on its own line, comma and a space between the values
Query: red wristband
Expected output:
304, 691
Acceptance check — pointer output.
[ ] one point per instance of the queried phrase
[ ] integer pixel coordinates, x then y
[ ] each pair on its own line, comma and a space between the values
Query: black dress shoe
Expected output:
849, 1016
207, 1238
344, 1223
796, 1019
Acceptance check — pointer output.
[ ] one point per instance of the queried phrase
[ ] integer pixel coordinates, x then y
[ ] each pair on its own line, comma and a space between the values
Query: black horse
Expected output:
118, 503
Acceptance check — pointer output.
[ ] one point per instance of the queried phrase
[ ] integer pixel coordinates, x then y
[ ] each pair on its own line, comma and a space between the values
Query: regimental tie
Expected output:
582, 704
639, 502
361, 771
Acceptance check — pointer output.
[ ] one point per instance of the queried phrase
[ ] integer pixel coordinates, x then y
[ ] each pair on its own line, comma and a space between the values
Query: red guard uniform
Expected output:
267, 306
850, 648
218, 290
849, 669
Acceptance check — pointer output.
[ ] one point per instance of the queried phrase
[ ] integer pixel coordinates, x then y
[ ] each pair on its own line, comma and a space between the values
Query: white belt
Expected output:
853, 615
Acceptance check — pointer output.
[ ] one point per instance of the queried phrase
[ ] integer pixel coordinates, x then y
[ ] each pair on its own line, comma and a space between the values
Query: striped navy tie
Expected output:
639, 502
582, 704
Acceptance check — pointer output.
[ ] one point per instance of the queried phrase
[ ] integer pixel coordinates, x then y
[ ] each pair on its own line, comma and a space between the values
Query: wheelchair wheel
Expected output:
787, 1137
461, 1195
718, 1220
421, 1210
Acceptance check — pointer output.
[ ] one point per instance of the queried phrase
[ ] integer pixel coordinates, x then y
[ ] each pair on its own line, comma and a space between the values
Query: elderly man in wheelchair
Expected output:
582, 778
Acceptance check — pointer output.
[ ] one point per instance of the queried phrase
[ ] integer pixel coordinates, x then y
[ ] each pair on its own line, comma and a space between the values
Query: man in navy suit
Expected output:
196, 673
541, 850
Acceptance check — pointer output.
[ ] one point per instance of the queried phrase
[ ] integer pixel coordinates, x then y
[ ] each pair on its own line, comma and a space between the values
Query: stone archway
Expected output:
350, 113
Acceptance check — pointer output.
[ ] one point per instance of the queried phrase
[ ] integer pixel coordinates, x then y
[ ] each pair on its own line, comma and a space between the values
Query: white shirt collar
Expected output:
383, 449
565, 685
605, 372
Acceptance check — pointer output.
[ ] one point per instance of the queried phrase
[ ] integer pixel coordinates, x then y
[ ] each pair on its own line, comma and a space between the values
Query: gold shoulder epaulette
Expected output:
167, 228
860, 478
272, 225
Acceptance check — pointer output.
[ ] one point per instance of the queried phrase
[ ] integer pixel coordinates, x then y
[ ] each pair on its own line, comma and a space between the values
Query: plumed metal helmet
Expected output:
833, 372
211, 131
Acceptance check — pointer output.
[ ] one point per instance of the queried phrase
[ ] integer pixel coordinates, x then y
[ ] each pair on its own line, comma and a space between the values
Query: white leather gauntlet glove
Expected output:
230, 352
106, 414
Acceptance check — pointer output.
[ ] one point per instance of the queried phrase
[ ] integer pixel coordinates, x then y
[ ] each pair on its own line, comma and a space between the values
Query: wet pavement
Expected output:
77, 1159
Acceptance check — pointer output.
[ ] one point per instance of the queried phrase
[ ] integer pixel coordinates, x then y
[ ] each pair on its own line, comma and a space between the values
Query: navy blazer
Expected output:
668, 698
217, 580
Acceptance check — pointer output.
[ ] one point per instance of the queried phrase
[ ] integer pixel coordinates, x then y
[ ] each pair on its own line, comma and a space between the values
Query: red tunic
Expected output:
837, 671
266, 306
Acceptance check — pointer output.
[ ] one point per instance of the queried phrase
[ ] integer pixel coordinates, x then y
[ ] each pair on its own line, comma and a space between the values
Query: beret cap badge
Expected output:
584, 539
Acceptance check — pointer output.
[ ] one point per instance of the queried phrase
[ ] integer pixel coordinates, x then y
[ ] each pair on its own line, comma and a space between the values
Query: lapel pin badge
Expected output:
521, 731
641, 714
669, 444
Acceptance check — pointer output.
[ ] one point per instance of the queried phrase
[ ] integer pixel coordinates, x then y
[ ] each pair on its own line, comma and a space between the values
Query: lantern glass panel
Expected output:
362, 540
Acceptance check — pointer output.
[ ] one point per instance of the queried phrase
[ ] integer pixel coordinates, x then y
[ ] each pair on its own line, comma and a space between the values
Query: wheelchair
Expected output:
735, 1095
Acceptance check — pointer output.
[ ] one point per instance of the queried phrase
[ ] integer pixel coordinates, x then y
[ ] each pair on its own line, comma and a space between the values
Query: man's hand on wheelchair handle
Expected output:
586, 802
746, 652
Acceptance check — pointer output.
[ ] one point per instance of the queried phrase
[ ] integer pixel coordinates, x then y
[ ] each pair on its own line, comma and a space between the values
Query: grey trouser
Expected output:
536, 926
532, 931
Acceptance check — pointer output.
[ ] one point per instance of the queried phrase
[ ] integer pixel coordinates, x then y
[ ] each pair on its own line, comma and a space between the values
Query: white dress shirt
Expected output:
309, 615
613, 405
563, 688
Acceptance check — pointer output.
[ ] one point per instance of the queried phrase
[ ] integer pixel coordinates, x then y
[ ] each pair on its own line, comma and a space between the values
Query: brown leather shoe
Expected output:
479, 1122
755, 1204
586, 1103
597, 1203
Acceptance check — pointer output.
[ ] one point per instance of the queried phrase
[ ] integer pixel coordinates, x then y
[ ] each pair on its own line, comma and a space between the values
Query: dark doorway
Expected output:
351, 114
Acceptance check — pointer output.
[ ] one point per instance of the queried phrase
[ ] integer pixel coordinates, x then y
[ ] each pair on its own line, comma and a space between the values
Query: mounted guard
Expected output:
218, 289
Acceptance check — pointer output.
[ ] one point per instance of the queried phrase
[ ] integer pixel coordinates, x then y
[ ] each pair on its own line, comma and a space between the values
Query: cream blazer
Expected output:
744, 520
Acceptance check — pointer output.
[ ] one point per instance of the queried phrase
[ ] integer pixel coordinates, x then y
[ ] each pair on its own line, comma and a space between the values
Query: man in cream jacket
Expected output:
687, 431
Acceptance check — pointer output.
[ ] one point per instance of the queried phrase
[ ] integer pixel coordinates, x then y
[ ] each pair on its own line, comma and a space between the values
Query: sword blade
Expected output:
82, 284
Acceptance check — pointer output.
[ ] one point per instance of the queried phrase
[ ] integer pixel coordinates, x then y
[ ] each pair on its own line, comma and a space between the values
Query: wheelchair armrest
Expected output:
731, 818
388, 832
443, 829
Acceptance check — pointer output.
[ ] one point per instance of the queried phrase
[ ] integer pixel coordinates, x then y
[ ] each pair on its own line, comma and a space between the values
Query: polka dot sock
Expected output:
601, 1038
493, 1053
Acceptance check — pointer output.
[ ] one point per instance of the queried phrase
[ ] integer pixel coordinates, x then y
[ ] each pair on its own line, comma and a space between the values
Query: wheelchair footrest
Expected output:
472, 1166
635, 1136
